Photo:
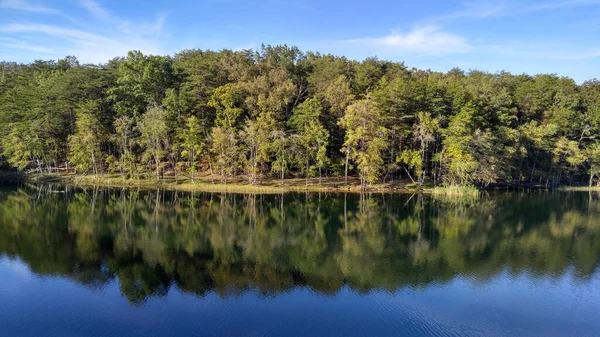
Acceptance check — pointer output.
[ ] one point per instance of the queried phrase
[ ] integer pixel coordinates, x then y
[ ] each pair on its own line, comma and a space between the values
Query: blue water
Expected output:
508, 305
552, 296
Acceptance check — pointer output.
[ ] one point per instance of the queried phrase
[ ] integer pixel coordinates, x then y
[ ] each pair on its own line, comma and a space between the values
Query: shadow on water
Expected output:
150, 241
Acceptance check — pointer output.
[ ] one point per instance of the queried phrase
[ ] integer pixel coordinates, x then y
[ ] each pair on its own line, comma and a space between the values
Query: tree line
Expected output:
278, 112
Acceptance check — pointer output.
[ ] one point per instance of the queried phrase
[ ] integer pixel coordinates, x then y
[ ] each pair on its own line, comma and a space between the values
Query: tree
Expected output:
593, 158
224, 149
424, 133
257, 140
457, 154
366, 138
280, 146
313, 137
141, 80
86, 143
124, 137
153, 129
193, 143
227, 100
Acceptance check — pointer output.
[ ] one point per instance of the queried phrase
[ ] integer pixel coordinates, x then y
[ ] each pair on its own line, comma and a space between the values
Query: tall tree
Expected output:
366, 139
193, 143
153, 129
85, 145
313, 137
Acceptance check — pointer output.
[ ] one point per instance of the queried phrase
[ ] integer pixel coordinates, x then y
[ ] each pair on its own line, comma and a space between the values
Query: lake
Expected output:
128, 262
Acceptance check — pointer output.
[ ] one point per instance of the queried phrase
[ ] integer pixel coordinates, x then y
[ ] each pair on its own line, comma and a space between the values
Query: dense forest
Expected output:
153, 241
280, 113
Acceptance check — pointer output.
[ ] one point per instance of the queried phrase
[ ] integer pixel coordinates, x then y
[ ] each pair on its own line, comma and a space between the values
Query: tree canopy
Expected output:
278, 111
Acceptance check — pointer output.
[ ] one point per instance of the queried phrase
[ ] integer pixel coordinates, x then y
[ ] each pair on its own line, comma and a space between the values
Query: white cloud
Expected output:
545, 52
423, 40
124, 25
75, 35
552, 5
87, 46
102, 38
23, 5
482, 9
26, 46
97, 12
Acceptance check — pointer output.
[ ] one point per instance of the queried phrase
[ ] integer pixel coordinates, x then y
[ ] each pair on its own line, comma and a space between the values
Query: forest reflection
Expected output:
150, 241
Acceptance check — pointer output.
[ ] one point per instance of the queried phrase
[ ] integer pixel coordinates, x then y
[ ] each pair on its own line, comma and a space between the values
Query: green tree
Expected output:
193, 143
85, 145
224, 148
154, 133
366, 139
313, 137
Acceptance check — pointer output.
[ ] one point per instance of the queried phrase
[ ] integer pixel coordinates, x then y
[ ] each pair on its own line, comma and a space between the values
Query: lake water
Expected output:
112, 262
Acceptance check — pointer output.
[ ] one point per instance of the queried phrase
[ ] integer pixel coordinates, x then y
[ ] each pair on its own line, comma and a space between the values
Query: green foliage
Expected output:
224, 151
286, 112
313, 138
193, 143
85, 145
154, 133
141, 80
366, 138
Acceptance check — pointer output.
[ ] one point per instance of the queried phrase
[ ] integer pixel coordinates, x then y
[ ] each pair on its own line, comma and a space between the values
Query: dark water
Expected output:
102, 262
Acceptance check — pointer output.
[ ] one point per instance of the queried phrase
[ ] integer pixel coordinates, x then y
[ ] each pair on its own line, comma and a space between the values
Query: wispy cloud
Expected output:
95, 10
551, 5
25, 6
422, 40
25, 45
479, 10
87, 46
22, 5
124, 25
544, 51
483, 9
104, 37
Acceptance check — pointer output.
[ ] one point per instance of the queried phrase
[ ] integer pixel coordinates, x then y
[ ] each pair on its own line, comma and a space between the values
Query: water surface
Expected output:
113, 262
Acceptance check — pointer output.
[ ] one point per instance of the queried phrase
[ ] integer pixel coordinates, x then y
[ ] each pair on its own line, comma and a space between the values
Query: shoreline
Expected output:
265, 186
204, 184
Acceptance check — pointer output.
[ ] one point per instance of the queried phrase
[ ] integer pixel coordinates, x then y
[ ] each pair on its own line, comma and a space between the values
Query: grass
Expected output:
456, 190
580, 188
205, 183
234, 185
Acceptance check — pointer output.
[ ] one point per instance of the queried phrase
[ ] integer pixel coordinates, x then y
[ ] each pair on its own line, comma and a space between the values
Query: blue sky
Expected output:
542, 36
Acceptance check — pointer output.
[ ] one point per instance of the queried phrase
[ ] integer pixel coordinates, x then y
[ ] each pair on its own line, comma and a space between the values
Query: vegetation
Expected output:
282, 113
150, 241
456, 190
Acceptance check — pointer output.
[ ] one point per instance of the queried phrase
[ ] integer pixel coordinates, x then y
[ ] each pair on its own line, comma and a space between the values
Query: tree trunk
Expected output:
307, 168
320, 176
346, 169
192, 166
157, 168
282, 160
94, 169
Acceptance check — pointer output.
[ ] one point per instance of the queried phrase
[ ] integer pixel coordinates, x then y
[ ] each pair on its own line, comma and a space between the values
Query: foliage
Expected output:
86, 143
283, 112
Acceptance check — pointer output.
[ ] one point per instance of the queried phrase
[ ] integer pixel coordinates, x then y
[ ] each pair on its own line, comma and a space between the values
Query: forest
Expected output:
280, 113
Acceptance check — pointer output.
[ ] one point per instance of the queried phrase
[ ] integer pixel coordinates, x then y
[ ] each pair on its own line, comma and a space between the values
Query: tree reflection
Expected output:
228, 244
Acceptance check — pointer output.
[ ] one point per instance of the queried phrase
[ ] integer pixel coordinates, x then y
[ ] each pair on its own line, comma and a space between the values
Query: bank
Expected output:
233, 185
